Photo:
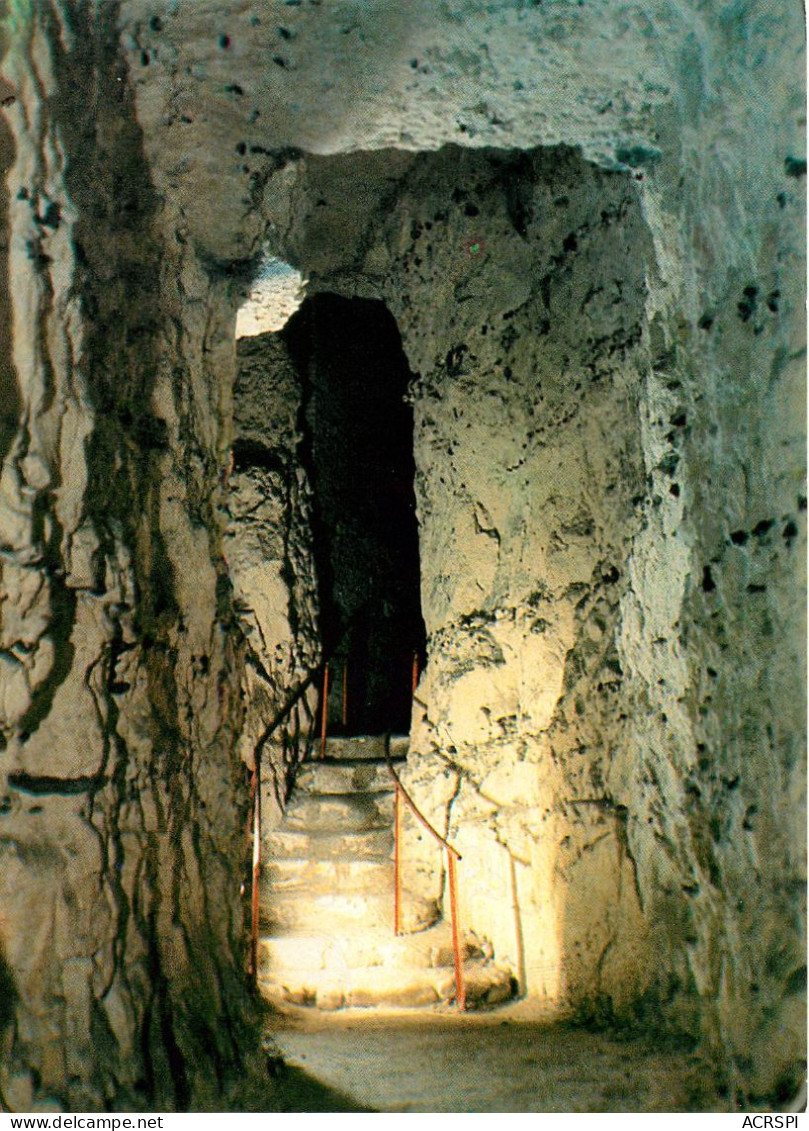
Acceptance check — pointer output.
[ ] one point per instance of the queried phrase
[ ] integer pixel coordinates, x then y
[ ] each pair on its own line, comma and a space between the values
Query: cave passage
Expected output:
358, 451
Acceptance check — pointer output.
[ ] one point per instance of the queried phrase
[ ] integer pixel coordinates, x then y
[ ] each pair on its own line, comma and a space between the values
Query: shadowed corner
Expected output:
10, 404
8, 1002
272, 1084
296, 1090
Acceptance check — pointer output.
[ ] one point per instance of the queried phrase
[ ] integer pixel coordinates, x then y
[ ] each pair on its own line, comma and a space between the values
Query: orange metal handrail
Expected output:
460, 987
325, 708
345, 694
420, 816
453, 856
397, 862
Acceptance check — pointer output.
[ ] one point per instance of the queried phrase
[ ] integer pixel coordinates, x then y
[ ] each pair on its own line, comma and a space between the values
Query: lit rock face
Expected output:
564, 733
612, 720
268, 551
274, 297
121, 798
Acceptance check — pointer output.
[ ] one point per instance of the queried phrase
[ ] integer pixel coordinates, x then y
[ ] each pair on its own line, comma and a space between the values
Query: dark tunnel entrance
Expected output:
358, 450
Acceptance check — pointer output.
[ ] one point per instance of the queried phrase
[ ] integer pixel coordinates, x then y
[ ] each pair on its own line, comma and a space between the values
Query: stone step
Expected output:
371, 844
399, 987
430, 948
301, 912
346, 775
364, 746
339, 812
327, 899
323, 877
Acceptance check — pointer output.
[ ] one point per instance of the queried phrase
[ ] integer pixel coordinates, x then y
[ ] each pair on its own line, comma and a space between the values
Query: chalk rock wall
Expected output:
531, 456
9, 397
268, 550
121, 799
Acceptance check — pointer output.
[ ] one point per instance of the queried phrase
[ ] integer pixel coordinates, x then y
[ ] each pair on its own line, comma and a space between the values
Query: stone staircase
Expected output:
327, 938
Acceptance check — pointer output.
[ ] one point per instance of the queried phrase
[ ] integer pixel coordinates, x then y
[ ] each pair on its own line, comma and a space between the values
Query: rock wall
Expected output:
121, 800
9, 397
268, 550
627, 616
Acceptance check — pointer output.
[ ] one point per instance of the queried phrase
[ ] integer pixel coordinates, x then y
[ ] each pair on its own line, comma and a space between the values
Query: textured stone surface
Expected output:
267, 548
342, 777
494, 1064
610, 448
328, 919
292, 843
121, 800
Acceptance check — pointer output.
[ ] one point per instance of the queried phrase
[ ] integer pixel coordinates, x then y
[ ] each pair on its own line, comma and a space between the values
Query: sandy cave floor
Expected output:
494, 1062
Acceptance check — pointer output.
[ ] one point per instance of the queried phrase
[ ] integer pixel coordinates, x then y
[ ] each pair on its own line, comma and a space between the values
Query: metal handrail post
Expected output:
345, 694
460, 987
397, 862
324, 711
453, 855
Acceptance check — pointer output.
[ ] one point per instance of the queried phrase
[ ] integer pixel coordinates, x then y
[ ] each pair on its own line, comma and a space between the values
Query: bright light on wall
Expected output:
276, 294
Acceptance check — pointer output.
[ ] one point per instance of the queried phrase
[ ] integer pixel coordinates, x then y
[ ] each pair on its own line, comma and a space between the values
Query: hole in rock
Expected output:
358, 450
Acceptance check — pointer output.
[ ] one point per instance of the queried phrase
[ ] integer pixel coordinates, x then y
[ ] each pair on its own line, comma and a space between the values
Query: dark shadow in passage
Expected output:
10, 404
8, 1005
358, 453
296, 1090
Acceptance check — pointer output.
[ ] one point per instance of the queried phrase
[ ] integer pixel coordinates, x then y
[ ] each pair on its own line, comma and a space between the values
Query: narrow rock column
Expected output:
267, 545
121, 801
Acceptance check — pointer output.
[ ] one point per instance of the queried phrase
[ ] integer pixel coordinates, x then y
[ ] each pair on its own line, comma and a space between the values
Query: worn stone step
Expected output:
487, 984
339, 812
338, 913
369, 844
344, 776
362, 747
285, 912
321, 877
401, 987
322, 951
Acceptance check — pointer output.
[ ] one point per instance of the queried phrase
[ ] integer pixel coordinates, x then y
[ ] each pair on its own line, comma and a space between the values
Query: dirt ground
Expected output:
496, 1062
